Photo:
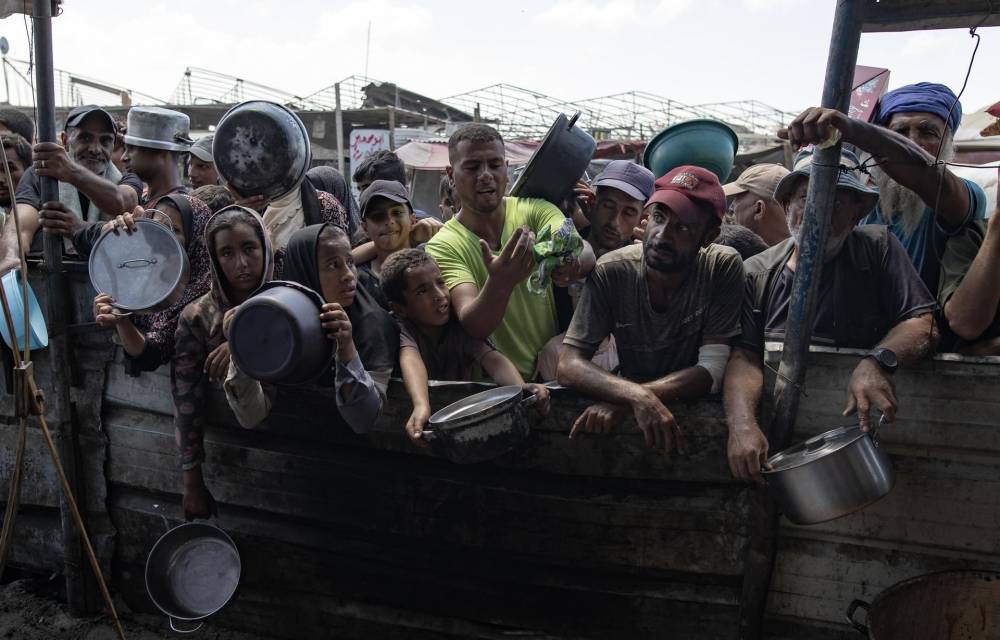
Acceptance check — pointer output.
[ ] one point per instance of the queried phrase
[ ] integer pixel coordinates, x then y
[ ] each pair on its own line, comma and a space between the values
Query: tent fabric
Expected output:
433, 156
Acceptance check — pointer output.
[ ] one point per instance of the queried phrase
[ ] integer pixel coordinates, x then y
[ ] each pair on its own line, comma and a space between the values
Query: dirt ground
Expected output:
28, 611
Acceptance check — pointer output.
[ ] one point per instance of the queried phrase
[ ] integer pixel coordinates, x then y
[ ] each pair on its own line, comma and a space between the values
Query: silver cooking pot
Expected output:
482, 426
830, 475
949, 605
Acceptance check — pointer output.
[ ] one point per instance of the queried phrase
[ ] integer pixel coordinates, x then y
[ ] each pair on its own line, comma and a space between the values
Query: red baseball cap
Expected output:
691, 192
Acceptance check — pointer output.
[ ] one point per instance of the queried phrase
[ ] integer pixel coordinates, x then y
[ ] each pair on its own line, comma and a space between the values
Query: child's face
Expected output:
240, 255
337, 276
388, 224
427, 297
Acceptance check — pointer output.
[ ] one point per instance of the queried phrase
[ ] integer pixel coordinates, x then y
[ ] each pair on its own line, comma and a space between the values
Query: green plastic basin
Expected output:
709, 144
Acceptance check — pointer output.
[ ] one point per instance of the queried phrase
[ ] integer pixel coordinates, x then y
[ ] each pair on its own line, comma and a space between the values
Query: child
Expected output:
432, 342
386, 217
240, 262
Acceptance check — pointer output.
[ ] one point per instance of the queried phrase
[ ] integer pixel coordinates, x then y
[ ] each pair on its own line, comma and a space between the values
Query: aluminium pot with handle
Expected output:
557, 164
948, 605
482, 426
830, 475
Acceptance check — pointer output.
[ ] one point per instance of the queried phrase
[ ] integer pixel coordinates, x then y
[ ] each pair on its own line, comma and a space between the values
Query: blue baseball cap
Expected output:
635, 180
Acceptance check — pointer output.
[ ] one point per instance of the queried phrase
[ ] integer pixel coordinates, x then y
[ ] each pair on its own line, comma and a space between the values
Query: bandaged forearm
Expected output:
713, 358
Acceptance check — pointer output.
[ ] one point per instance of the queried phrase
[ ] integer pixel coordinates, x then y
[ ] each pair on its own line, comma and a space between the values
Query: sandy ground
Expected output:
27, 612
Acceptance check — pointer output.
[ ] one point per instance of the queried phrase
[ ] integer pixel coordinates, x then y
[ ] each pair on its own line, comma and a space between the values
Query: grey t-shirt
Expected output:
650, 344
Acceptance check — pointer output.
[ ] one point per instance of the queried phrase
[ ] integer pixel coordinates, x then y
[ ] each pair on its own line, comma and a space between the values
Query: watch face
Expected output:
887, 358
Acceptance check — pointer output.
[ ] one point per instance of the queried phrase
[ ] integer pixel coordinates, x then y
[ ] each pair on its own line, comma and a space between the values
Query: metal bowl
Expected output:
261, 148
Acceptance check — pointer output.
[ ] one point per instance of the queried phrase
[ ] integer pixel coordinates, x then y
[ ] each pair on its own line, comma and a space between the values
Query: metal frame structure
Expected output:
71, 89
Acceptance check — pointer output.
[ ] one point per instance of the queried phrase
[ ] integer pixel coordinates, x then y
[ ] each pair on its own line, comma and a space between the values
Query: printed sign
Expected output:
365, 142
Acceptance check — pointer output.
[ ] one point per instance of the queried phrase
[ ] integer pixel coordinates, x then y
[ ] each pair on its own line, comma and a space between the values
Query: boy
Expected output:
386, 218
432, 343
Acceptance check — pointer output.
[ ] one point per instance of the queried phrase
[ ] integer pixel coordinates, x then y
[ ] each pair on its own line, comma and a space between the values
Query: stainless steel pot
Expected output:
482, 426
556, 165
830, 475
144, 271
192, 572
950, 605
276, 336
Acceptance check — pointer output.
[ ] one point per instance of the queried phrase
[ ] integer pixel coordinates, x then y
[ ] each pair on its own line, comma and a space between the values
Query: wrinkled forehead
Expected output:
916, 118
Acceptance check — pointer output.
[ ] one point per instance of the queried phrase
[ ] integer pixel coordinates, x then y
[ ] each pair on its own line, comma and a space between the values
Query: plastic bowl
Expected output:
11, 284
709, 144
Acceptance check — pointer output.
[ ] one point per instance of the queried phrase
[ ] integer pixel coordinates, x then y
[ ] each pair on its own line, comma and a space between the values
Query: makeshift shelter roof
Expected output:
969, 135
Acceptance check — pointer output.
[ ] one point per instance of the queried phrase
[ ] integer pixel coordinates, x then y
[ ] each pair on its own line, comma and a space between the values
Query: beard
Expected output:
834, 243
94, 164
899, 203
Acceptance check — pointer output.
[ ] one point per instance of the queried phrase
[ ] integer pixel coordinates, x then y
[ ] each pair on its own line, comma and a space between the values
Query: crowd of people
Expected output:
661, 289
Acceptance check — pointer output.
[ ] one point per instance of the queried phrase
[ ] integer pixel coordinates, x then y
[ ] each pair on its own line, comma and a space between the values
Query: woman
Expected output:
328, 179
148, 340
240, 262
319, 257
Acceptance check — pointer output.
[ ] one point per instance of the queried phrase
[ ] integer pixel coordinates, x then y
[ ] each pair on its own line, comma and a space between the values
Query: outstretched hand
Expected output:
817, 125
515, 262
870, 387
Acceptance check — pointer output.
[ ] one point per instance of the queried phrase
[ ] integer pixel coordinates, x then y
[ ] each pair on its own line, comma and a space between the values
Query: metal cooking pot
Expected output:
556, 165
950, 605
261, 148
144, 271
192, 572
482, 426
276, 335
830, 475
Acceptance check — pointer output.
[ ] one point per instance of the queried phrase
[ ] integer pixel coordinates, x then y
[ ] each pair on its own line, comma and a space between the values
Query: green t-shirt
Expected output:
530, 319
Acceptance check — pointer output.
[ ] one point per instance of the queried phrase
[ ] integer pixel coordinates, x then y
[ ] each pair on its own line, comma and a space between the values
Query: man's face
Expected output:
479, 172
144, 162
744, 207
926, 130
201, 172
612, 217
91, 142
671, 244
848, 209
16, 171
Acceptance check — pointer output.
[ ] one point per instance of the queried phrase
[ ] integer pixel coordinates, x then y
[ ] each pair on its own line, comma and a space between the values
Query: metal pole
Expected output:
392, 129
338, 119
58, 299
843, 55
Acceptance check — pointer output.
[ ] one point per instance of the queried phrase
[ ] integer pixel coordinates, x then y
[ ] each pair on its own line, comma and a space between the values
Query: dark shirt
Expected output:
29, 190
372, 283
454, 356
868, 288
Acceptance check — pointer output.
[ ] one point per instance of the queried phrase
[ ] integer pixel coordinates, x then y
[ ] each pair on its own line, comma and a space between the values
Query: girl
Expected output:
240, 263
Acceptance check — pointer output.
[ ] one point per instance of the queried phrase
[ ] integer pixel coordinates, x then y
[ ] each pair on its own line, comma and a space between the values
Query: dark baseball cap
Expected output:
691, 192
76, 116
629, 177
383, 189
202, 149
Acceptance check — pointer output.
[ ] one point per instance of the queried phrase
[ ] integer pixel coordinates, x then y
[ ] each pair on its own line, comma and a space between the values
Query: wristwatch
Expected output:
886, 358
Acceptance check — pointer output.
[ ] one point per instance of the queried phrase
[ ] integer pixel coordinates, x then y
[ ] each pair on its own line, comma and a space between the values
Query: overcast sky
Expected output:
688, 50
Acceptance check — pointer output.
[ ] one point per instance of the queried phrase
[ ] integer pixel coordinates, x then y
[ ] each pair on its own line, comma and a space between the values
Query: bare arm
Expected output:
51, 160
411, 365
912, 340
972, 307
501, 369
747, 448
29, 220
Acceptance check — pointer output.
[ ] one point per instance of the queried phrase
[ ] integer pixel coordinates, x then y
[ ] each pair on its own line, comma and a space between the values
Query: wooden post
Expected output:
842, 59
58, 313
338, 120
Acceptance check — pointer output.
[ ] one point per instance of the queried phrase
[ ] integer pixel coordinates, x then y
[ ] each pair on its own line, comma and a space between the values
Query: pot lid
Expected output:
484, 404
816, 447
140, 270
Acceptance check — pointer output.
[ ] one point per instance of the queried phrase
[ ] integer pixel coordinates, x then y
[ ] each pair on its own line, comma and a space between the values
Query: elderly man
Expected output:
621, 191
923, 202
870, 297
485, 251
672, 304
90, 187
752, 203
201, 166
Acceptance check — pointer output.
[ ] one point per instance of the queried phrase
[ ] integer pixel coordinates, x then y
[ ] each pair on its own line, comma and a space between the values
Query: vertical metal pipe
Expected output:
58, 299
339, 123
844, 41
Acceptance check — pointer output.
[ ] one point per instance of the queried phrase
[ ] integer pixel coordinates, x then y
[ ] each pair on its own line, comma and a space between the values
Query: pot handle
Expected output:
852, 608
572, 121
527, 402
428, 435
176, 630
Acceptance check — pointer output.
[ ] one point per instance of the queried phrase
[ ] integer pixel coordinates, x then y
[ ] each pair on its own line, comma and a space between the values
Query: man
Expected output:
869, 297
753, 204
201, 168
621, 191
15, 121
155, 145
17, 154
923, 202
672, 303
90, 187
485, 251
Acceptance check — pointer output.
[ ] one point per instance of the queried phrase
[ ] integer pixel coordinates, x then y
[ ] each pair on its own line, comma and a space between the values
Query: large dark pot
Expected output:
261, 148
482, 426
144, 271
276, 335
557, 164
830, 475
950, 605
